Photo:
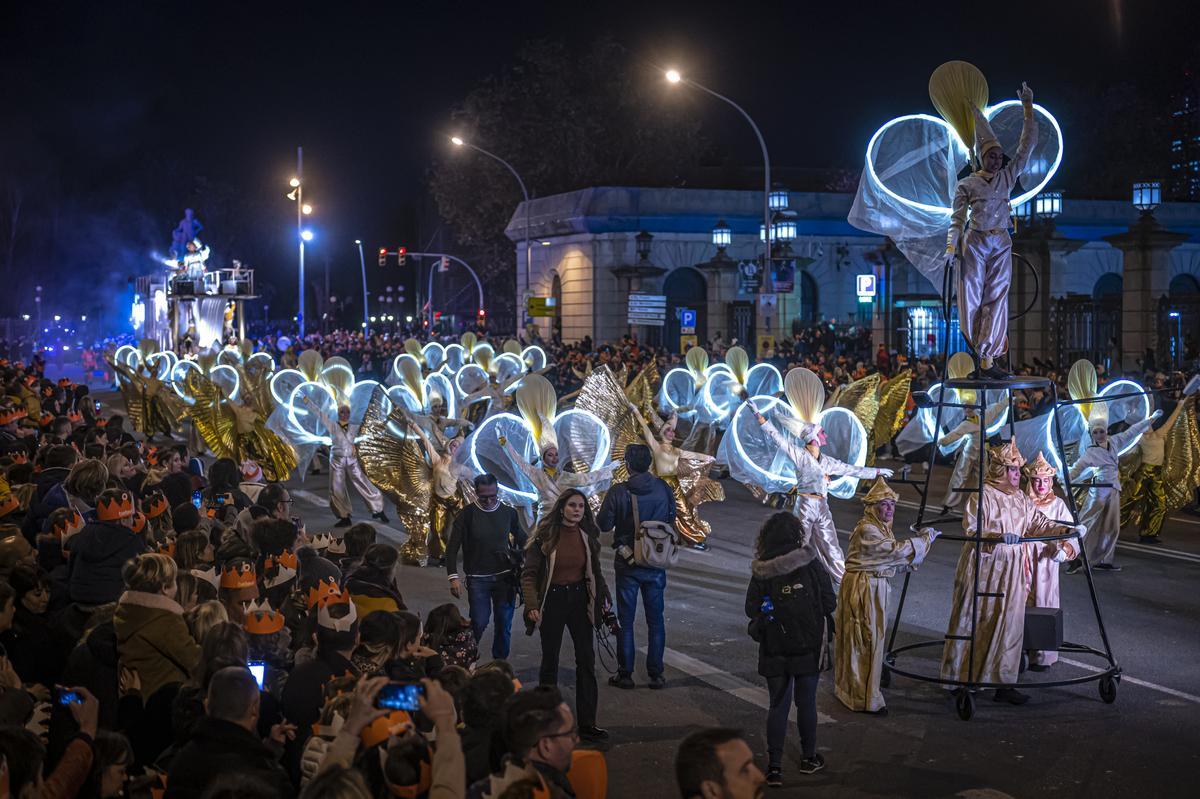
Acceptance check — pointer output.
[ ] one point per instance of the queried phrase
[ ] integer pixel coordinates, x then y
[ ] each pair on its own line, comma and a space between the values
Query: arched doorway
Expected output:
1184, 286
809, 299
1108, 286
1106, 319
685, 289
1179, 318
556, 320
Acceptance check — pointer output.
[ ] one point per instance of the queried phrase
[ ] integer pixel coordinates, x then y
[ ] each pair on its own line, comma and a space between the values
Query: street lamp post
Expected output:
363, 264
458, 141
673, 76
302, 235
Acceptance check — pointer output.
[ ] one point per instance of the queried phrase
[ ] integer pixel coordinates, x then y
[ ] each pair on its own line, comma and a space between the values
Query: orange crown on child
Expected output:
115, 508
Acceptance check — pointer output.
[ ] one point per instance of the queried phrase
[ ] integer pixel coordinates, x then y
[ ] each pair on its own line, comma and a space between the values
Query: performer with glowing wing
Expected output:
806, 398
142, 375
1042, 558
875, 556
965, 435
235, 429
345, 469
451, 483
1168, 473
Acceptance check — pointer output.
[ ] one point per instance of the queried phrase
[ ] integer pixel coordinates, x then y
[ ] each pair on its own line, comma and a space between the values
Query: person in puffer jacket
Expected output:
333, 716
97, 553
152, 637
790, 603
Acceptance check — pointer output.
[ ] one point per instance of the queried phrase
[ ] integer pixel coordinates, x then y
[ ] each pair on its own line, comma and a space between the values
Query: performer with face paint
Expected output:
873, 558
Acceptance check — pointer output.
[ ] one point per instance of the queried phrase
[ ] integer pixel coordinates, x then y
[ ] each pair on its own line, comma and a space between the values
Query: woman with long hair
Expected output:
451, 636
563, 588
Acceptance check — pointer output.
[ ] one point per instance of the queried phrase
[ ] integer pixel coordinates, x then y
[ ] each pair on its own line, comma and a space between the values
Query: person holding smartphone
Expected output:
564, 588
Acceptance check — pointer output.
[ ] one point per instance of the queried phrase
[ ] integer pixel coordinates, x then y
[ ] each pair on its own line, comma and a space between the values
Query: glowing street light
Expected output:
457, 141
306, 235
294, 183
673, 76
306, 209
302, 209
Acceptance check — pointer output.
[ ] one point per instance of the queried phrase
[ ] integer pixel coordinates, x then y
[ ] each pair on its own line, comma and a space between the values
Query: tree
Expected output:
565, 119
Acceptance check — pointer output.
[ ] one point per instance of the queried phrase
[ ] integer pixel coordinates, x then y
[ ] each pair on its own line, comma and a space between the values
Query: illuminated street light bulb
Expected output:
57, 318
294, 182
306, 208
358, 241
457, 141
307, 235
673, 76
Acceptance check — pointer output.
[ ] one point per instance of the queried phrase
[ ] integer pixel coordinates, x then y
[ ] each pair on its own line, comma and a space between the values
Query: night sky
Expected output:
228, 90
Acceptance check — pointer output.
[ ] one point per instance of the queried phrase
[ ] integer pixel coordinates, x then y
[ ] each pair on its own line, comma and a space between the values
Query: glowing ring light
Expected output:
777, 384
518, 364
293, 410
605, 436
178, 378
166, 355
237, 381
764, 404
455, 354
283, 401
845, 486
470, 368
956, 142
720, 412
434, 347
534, 357
270, 361
234, 357
473, 456
666, 400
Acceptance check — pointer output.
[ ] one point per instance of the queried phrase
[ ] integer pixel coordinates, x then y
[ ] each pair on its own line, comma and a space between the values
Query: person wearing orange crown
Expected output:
269, 640
239, 587
337, 635
1042, 559
1009, 515
98, 552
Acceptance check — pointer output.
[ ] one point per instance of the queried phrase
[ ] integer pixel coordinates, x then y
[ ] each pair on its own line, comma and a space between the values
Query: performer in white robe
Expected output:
982, 244
1008, 515
1042, 559
874, 557
345, 470
966, 465
1102, 509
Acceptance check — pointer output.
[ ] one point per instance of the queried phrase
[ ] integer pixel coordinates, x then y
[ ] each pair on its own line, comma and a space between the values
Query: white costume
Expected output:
966, 466
983, 242
345, 469
1102, 509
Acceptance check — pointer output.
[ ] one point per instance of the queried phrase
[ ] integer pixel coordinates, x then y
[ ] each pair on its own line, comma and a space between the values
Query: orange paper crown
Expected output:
382, 728
341, 623
46, 420
139, 524
287, 559
321, 591
167, 547
75, 416
262, 619
238, 576
65, 528
8, 416
115, 509
156, 504
64, 382
9, 504
20, 457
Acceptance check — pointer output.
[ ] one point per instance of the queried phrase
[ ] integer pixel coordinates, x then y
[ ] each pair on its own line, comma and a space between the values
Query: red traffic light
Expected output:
482, 313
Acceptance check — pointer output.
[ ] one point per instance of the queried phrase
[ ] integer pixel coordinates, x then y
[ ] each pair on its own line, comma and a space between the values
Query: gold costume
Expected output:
874, 556
150, 404
1169, 471
235, 430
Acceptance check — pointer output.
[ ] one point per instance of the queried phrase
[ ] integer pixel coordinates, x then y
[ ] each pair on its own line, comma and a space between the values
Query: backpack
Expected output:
655, 544
797, 625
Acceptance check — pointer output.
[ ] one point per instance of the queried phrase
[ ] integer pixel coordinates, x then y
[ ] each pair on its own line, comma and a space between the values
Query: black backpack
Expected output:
796, 626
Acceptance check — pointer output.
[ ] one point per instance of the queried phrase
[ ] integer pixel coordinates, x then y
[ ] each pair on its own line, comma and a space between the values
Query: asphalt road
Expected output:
1066, 742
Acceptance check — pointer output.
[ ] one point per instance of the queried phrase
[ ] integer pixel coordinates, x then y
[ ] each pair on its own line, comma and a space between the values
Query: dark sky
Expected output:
230, 89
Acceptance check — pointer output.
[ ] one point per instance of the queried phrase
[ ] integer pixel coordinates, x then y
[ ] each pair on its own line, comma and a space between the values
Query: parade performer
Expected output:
1165, 466
538, 407
806, 398
1101, 510
235, 430
682, 394
982, 245
149, 402
345, 469
1008, 515
1042, 558
449, 495
874, 557
966, 465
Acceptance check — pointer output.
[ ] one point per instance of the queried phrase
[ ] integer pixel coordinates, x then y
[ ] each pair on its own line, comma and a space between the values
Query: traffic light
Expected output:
401, 255
445, 265
482, 313
383, 256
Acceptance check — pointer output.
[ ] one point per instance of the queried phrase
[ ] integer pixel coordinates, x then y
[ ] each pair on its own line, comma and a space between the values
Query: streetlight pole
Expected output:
460, 142
298, 180
673, 76
363, 264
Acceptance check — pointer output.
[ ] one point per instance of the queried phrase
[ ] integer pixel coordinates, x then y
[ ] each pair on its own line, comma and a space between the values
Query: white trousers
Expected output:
343, 473
815, 518
983, 283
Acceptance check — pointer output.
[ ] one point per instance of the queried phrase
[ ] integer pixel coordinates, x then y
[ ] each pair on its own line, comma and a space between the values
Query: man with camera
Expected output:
650, 499
491, 540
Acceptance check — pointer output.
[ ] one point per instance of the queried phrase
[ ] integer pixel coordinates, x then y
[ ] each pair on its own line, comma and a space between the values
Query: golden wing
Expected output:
213, 421
1181, 461
256, 389
861, 397
642, 391
893, 398
131, 391
396, 465
603, 396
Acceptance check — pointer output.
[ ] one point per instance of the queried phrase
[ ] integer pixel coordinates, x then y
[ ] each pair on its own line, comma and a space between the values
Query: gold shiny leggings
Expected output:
1146, 500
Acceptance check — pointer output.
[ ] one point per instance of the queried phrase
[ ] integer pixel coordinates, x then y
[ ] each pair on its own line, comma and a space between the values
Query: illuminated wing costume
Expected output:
486, 385
1164, 470
684, 471
143, 376
909, 190
722, 392
782, 454
235, 429
513, 448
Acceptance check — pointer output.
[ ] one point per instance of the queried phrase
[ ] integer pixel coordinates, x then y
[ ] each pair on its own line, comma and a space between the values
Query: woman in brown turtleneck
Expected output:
564, 589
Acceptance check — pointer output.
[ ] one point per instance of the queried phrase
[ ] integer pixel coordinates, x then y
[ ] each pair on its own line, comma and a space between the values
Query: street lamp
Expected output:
297, 195
722, 235
458, 141
1178, 359
673, 77
363, 265
1147, 195
643, 241
306, 209
1048, 205
306, 235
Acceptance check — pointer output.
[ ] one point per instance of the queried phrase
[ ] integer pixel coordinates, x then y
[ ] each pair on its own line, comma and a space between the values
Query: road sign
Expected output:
647, 309
541, 306
765, 342
866, 286
687, 321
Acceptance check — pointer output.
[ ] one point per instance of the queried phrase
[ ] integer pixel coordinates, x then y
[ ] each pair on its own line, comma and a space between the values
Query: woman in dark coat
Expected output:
790, 603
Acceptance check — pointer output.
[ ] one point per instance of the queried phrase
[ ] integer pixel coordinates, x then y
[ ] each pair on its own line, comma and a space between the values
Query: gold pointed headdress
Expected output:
880, 491
485, 356
958, 89
310, 364
806, 395
1040, 467
413, 348
513, 346
410, 374
697, 361
468, 342
537, 403
1006, 454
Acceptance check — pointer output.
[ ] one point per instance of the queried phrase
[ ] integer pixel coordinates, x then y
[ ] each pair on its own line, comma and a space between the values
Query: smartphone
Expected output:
220, 500
65, 697
400, 696
197, 499
259, 670
97, 406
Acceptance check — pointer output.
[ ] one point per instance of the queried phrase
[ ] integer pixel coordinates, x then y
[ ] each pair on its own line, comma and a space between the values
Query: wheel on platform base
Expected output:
964, 704
1108, 689
885, 678
1024, 663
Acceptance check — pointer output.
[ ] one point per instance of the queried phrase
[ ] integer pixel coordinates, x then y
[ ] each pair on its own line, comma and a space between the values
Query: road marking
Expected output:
1153, 686
314, 499
1145, 549
724, 681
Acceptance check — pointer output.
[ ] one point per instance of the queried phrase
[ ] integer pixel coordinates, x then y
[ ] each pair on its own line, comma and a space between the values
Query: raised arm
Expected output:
647, 433
1029, 136
1119, 440
831, 466
527, 468
316, 410
430, 450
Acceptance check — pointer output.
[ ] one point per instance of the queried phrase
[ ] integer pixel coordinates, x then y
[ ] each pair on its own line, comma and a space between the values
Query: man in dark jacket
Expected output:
225, 742
655, 502
98, 551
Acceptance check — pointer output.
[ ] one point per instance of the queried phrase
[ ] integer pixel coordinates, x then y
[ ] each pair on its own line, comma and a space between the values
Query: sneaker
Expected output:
658, 683
381, 516
1108, 567
774, 777
1010, 695
621, 681
811, 765
883, 711
1150, 539
343, 522
1075, 566
593, 734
